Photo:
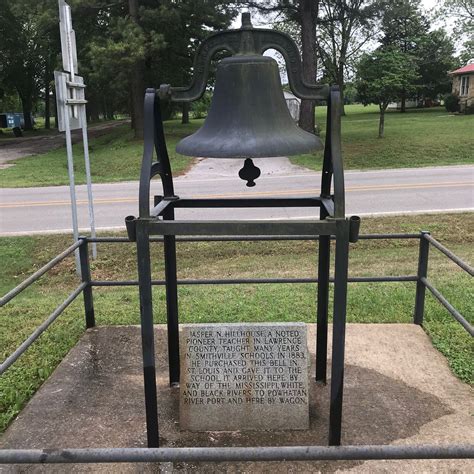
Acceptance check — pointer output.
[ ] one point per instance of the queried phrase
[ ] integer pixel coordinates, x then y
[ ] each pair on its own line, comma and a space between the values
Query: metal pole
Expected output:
238, 454
85, 142
86, 278
171, 302
72, 186
422, 272
339, 331
323, 304
148, 338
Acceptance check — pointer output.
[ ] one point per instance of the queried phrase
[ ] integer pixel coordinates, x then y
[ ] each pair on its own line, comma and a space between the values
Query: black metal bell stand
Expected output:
160, 220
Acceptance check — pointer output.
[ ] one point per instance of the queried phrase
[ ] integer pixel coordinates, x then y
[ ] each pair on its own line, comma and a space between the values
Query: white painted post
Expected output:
85, 142
74, 116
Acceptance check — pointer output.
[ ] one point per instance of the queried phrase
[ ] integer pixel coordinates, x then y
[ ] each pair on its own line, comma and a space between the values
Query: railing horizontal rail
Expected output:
238, 281
452, 310
239, 238
202, 454
449, 254
40, 329
32, 278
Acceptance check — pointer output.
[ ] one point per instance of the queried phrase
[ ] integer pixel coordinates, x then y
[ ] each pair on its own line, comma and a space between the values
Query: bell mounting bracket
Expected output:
246, 40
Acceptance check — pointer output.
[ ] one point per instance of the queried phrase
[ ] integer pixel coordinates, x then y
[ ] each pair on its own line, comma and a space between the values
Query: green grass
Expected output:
367, 303
422, 137
419, 137
115, 156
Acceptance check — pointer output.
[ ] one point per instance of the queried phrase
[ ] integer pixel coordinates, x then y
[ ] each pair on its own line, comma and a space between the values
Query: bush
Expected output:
200, 108
451, 102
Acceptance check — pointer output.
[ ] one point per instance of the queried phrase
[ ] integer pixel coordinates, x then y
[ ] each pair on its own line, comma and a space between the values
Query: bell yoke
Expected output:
248, 118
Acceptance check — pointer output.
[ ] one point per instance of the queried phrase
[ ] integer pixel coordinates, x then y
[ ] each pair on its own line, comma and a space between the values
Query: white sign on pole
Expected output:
63, 94
71, 107
68, 38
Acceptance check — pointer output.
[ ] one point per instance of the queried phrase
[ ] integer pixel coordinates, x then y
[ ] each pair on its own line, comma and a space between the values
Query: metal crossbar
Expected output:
39, 273
271, 453
8, 362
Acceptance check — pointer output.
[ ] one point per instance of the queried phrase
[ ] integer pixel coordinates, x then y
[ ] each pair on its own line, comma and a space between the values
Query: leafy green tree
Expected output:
463, 13
382, 76
344, 29
136, 44
435, 57
20, 52
403, 27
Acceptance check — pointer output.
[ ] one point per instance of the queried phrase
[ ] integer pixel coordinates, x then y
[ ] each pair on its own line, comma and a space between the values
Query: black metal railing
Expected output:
242, 454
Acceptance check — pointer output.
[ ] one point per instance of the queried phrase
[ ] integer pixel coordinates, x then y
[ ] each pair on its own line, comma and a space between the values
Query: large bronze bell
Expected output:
248, 117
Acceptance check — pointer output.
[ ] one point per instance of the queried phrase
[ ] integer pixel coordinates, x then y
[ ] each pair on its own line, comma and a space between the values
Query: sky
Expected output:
428, 5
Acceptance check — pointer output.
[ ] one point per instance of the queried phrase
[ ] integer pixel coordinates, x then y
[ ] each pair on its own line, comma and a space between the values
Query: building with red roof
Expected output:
463, 87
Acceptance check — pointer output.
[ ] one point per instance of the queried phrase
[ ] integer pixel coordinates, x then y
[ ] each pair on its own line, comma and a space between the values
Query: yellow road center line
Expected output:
361, 188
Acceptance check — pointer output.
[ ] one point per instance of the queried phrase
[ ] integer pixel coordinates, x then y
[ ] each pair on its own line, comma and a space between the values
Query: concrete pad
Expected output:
398, 390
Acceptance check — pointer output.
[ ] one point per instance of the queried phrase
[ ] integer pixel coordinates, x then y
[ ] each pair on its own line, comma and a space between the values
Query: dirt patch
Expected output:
14, 149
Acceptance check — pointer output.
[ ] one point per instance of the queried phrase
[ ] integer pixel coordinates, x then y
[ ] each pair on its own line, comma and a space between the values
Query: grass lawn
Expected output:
367, 303
115, 156
417, 138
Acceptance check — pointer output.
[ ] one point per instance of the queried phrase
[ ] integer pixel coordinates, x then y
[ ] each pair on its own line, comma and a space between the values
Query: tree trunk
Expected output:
47, 88
403, 102
382, 120
137, 80
308, 14
56, 121
130, 105
26, 105
185, 116
340, 83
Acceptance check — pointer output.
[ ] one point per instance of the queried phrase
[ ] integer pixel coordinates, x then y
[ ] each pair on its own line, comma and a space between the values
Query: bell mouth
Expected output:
248, 116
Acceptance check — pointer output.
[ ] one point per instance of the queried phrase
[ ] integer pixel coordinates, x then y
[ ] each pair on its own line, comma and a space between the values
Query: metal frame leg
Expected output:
339, 331
148, 339
422, 272
323, 306
86, 277
171, 302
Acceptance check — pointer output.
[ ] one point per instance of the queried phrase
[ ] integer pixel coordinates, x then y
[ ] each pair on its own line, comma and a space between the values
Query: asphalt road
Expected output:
400, 191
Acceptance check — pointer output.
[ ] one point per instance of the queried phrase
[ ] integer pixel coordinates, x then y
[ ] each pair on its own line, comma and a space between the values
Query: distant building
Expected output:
409, 104
463, 86
293, 104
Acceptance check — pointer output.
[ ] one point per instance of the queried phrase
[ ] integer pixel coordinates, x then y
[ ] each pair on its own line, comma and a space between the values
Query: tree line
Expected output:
125, 46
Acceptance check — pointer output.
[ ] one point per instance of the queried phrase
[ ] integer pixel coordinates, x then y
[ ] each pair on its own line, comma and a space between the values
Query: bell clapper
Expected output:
249, 172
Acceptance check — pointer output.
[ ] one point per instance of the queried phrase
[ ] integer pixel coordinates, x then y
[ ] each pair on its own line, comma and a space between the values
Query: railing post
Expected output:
322, 305
86, 278
422, 272
339, 331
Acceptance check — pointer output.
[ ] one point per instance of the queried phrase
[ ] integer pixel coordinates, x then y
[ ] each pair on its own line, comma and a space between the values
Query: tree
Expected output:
20, 52
403, 27
382, 76
344, 28
146, 43
303, 15
463, 13
435, 57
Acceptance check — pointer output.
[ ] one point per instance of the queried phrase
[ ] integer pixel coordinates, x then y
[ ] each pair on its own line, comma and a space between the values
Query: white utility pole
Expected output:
71, 107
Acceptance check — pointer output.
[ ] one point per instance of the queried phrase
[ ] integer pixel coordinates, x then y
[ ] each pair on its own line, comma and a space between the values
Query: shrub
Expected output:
200, 107
451, 102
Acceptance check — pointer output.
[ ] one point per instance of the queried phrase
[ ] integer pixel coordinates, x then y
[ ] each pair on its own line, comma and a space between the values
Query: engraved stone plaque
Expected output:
244, 377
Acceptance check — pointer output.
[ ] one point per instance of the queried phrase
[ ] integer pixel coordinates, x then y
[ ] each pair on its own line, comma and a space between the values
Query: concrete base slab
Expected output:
398, 390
